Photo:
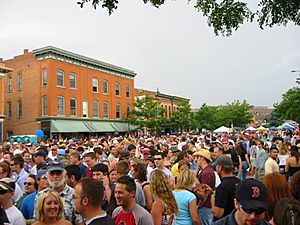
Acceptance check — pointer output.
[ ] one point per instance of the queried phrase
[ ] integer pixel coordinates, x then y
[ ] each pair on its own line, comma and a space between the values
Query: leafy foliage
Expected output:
182, 117
289, 107
147, 113
227, 15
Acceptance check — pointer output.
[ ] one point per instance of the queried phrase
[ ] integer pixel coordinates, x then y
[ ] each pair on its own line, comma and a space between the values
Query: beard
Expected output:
55, 183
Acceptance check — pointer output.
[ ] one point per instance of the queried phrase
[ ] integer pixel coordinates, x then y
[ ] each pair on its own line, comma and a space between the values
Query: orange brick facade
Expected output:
34, 66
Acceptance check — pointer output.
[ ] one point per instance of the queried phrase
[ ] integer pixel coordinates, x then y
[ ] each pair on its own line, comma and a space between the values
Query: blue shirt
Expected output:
27, 207
183, 199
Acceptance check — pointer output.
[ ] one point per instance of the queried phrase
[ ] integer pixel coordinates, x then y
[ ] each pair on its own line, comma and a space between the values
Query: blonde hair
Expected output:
186, 179
40, 204
160, 187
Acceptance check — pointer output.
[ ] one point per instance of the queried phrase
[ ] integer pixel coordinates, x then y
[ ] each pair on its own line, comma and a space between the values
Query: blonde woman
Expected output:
186, 200
164, 208
49, 209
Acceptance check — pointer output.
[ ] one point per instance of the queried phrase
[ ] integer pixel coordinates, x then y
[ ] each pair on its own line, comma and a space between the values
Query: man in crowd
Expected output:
27, 207
19, 173
128, 211
75, 160
38, 157
223, 201
250, 205
271, 164
88, 195
73, 175
56, 178
29, 187
159, 160
7, 188
90, 160
207, 176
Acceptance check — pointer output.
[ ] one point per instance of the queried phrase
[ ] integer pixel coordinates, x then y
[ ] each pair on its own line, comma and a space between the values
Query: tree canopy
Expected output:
226, 16
289, 107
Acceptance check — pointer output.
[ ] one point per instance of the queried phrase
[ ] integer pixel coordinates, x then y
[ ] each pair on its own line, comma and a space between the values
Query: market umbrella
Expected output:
287, 126
250, 129
272, 128
261, 128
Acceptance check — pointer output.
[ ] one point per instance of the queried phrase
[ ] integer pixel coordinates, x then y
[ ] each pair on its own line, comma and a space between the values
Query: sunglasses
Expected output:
3, 192
157, 158
28, 183
256, 211
44, 177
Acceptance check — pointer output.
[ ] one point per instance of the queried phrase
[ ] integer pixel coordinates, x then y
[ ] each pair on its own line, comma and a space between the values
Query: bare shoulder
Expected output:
65, 222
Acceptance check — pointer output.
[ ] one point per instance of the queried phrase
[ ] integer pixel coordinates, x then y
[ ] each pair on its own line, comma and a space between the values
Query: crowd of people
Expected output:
188, 179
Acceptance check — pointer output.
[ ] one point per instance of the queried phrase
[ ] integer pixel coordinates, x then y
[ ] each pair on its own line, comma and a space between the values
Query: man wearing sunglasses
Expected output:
250, 205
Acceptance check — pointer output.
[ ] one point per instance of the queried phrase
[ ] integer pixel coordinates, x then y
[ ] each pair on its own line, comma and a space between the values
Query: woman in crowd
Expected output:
139, 172
277, 188
242, 152
293, 162
186, 200
295, 185
112, 176
49, 209
286, 212
164, 208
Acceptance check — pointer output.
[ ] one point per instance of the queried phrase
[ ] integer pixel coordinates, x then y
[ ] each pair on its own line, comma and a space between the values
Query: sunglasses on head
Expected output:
256, 211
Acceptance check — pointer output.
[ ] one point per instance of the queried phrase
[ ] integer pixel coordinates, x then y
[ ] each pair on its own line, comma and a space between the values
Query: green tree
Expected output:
147, 113
182, 117
207, 117
235, 113
289, 107
227, 15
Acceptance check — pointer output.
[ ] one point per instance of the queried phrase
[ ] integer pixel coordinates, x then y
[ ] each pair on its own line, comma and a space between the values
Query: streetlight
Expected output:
298, 78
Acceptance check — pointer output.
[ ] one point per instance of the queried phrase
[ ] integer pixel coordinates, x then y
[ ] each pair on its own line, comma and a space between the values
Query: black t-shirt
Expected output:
224, 197
107, 220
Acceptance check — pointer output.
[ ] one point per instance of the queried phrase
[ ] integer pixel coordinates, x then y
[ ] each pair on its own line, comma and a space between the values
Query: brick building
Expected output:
3, 70
261, 115
66, 94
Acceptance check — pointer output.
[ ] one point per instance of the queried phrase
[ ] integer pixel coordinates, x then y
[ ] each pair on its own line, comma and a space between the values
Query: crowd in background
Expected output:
205, 178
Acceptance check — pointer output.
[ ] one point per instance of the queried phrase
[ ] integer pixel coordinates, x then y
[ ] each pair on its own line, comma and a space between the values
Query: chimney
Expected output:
25, 51
1, 59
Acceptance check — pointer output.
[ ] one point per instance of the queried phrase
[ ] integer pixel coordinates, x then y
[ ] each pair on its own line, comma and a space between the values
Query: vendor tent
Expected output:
261, 128
250, 129
222, 129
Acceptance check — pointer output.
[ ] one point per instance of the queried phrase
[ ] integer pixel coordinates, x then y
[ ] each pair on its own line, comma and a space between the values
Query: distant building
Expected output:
261, 115
3, 71
65, 94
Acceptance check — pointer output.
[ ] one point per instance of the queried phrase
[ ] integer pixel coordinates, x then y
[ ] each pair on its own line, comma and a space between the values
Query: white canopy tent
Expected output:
250, 129
222, 129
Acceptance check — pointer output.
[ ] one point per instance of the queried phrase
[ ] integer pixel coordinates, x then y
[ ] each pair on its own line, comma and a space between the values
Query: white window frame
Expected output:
44, 77
60, 73
19, 109
19, 82
128, 91
71, 82
95, 85
117, 89
9, 109
105, 87
96, 109
73, 111
106, 110
85, 108
118, 111
60, 105
9, 84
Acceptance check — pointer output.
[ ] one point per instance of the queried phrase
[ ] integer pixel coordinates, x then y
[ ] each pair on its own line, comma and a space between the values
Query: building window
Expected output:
72, 80
127, 91
19, 108
9, 84
9, 109
44, 105
19, 84
106, 109
117, 89
44, 77
73, 107
84, 109
95, 85
105, 87
60, 78
128, 108
96, 109
60, 105
118, 111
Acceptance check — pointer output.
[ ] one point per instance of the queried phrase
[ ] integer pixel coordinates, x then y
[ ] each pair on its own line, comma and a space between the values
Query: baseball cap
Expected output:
125, 154
40, 153
55, 166
40, 173
7, 184
251, 193
224, 160
146, 151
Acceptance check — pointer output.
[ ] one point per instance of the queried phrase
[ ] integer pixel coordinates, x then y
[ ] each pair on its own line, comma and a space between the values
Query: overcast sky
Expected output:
170, 48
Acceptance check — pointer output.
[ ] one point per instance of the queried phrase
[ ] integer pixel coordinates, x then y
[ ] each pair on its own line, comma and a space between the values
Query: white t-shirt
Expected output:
14, 216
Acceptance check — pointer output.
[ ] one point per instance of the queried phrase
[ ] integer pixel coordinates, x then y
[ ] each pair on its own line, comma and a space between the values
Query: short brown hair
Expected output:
93, 189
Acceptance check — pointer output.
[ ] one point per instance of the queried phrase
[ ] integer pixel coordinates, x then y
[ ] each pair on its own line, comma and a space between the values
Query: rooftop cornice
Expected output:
70, 57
